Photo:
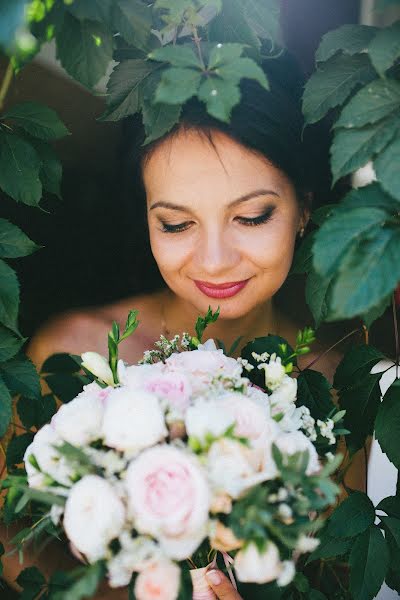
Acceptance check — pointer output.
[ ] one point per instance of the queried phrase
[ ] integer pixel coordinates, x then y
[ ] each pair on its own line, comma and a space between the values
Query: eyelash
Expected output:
248, 222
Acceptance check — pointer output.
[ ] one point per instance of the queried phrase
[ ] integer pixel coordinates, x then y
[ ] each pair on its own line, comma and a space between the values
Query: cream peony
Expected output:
79, 421
133, 420
172, 388
296, 441
168, 497
135, 555
160, 581
43, 451
98, 365
203, 366
94, 515
253, 566
135, 376
207, 417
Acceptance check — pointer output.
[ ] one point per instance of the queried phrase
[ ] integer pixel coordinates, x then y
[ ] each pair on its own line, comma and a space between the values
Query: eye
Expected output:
263, 218
169, 228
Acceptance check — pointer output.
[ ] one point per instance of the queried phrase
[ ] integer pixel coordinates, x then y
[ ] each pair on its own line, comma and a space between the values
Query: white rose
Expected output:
287, 573
44, 452
231, 469
207, 417
296, 441
260, 397
79, 421
133, 420
94, 515
255, 567
283, 398
98, 365
363, 176
160, 581
169, 498
135, 376
274, 373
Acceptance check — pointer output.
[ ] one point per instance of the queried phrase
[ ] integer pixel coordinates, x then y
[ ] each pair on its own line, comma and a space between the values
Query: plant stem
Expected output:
396, 334
197, 40
5, 85
332, 347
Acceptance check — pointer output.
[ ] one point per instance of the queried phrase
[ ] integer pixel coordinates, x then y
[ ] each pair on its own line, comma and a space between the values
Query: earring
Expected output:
301, 232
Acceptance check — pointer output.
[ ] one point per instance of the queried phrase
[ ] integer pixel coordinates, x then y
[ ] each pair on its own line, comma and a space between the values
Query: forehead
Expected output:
189, 165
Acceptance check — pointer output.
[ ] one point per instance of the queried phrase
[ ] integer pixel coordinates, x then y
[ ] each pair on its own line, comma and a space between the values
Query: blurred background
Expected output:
95, 246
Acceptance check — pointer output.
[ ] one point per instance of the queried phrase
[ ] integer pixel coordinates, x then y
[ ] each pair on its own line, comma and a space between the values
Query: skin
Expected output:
214, 243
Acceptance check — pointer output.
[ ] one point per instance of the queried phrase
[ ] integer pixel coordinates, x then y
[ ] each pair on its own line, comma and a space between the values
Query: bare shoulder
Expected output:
78, 331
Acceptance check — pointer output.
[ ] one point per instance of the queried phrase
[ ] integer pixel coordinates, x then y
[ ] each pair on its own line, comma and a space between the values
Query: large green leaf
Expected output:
178, 85
12, 17
32, 581
314, 392
36, 412
231, 25
94, 10
158, 119
350, 39
132, 19
62, 362
387, 424
352, 148
332, 82
318, 291
392, 524
50, 173
263, 16
387, 167
64, 386
391, 506
9, 296
353, 516
357, 357
373, 263
5, 408
19, 169
21, 377
10, 343
13, 242
124, 88
242, 68
16, 449
38, 120
330, 547
302, 261
384, 49
86, 582
369, 562
372, 103
85, 49
176, 56
220, 97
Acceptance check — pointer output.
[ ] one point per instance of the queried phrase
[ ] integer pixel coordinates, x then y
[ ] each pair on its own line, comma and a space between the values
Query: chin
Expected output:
230, 308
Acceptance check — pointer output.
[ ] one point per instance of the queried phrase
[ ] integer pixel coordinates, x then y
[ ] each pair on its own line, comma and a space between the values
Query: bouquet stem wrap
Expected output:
201, 589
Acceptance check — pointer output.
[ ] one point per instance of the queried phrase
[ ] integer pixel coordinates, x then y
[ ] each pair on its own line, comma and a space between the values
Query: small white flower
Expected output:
56, 512
94, 515
363, 176
306, 543
255, 567
274, 373
44, 452
283, 397
98, 365
287, 574
296, 441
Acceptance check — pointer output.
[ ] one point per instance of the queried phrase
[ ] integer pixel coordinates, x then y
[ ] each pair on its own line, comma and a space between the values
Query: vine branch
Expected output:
5, 84
331, 348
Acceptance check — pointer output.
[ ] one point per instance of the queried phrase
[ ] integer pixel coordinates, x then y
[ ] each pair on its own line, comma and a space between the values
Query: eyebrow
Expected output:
248, 196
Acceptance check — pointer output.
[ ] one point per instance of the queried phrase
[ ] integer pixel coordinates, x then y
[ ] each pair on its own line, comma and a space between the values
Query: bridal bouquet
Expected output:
169, 465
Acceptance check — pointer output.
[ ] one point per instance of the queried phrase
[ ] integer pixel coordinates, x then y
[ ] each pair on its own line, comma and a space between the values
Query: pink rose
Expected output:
169, 498
158, 582
204, 365
174, 387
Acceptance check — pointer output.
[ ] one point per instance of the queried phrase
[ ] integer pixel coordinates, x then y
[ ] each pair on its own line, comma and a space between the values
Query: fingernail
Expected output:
213, 577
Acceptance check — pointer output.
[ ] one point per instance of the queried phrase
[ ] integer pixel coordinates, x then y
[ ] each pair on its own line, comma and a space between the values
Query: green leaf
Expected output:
263, 16
352, 148
38, 120
350, 39
13, 242
12, 18
387, 167
387, 424
369, 561
376, 312
318, 290
65, 386
16, 449
85, 49
10, 343
178, 85
21, 377
340, 232
62, 362
19, 169
86, 582
9, 296
243, 68
5, 408
375, 101
353, 516
36, 412
314, 392
357, 357
94, 10
302, 262
231, 25
220, 96
393, 525
374, 265
158, 119
316, 595
32, 581
332, 83
176, 56
391, 506
331, 547
124, 88
384, 49
50, 173
132, 19
271, 344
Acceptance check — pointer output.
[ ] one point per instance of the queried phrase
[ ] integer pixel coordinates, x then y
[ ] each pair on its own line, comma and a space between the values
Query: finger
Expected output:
221, 586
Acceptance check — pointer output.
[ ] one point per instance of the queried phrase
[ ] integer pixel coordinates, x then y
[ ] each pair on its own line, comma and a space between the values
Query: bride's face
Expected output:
218, 218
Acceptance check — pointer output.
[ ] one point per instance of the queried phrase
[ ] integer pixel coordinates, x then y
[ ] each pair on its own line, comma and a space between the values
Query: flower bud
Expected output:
98, 365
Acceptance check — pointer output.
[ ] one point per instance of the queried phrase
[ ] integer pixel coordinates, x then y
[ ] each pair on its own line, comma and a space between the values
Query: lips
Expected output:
221, 290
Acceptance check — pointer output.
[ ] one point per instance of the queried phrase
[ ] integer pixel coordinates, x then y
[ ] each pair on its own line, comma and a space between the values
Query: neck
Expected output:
180, 316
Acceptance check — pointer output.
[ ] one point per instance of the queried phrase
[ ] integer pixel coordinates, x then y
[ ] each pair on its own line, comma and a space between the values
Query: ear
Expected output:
306, 209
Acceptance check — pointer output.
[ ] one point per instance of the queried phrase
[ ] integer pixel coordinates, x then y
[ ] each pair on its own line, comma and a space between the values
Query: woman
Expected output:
225, 206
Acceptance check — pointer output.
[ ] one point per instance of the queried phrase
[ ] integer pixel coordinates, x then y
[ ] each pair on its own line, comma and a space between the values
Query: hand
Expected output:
221, 586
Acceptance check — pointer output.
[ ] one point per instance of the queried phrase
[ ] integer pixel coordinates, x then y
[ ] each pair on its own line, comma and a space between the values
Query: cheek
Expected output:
170, 251
272, 247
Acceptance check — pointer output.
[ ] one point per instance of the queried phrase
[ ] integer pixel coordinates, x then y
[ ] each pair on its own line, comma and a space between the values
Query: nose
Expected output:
216, 253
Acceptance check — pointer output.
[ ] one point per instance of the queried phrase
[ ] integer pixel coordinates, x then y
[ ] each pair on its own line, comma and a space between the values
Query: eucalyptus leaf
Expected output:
384, 49
369, 562
332, 83
19, 169
387, 424
38, 120
13, 242
374, 102
350, 39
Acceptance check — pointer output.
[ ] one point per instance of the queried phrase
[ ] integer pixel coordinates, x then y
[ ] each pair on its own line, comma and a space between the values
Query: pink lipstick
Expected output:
221, 290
